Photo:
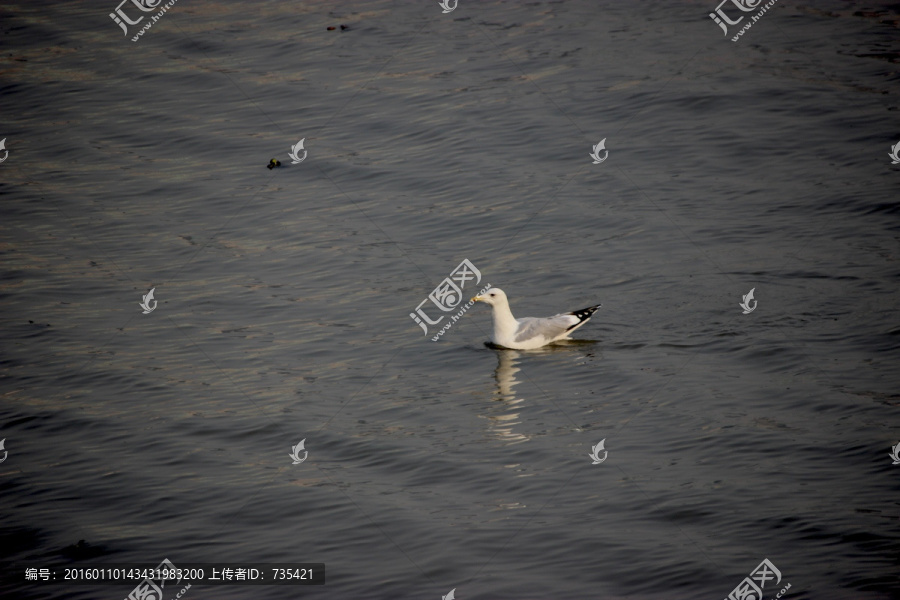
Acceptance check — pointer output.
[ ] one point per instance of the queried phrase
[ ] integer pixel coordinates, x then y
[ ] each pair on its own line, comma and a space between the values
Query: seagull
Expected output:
530, 332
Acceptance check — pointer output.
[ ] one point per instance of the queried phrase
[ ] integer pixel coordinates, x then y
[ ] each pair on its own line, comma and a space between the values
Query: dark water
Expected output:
284, 296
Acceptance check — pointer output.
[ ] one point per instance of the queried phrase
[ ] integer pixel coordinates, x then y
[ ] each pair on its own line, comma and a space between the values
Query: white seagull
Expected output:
530, 332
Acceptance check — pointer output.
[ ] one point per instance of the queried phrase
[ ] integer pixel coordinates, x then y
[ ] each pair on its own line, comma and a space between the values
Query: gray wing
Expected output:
548, 328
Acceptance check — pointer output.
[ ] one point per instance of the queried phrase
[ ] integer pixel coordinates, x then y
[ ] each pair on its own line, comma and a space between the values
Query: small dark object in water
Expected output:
343, 27
331, 28
274, 163
82, 550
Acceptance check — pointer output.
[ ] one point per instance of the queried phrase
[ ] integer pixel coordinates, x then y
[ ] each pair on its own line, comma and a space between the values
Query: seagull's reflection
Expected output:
505, 414
505, 373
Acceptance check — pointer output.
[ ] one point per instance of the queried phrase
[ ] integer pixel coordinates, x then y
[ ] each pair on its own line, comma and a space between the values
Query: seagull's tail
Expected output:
583, 315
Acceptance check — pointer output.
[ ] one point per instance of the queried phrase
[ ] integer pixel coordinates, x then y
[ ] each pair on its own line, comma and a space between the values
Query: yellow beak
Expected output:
477, 299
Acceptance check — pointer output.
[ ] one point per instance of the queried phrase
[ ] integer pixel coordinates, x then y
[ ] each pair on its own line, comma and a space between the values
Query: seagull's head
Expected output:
494, 297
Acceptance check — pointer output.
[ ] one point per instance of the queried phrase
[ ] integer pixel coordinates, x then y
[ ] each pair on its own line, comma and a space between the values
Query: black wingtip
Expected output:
585, 313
